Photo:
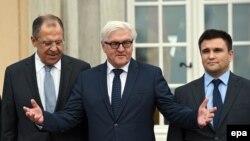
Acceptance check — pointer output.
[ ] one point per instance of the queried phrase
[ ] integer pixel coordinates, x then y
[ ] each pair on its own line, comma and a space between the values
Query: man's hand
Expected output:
205, 115
35, 113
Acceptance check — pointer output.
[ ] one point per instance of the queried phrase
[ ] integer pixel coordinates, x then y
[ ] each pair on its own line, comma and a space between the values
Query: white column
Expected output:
41, 7
70, 14
89, 31
111, 10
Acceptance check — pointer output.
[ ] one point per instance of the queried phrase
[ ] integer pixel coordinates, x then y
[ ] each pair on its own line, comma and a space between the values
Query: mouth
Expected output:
52, 56
120, 55
212, 63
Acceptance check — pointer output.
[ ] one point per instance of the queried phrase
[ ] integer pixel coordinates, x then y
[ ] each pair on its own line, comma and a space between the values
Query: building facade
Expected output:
168, 32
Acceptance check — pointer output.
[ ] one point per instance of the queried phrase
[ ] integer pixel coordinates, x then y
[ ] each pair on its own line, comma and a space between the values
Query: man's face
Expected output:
120, 56
215, 56
49, 42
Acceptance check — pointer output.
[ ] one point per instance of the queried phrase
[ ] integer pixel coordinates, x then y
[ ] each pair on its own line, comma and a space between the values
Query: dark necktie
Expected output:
49, 90
217, 102
116, 91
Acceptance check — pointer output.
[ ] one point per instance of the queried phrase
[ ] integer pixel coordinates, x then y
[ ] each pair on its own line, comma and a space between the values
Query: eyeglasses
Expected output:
49, 44
115, 45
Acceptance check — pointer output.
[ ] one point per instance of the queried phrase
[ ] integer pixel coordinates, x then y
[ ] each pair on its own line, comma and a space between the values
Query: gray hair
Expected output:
112, 26
37, 23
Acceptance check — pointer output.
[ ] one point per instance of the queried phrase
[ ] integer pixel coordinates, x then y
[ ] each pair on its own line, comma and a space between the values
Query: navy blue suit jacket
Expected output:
145, 89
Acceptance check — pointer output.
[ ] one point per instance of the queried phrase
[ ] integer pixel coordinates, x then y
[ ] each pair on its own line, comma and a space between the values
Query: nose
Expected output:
120, 47
211, 54
53, 46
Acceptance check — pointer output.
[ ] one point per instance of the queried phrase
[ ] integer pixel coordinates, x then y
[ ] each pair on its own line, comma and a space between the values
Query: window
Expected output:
168, 32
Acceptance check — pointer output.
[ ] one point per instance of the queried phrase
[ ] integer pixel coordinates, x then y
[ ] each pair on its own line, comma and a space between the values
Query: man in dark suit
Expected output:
26, 79
122, 112
216, 54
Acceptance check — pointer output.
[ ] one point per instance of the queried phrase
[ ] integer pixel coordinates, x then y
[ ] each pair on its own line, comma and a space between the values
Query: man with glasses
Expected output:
119, 97
28, 79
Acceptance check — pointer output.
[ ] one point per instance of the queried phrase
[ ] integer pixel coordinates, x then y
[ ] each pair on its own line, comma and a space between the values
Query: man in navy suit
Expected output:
216, 54
130, 116
25, 80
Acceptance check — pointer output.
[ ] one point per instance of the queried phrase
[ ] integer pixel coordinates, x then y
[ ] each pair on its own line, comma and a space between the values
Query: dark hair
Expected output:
214, 33
37, 23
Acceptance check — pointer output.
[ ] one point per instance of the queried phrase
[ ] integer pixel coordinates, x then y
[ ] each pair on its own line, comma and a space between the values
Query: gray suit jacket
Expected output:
20, 85
236, 109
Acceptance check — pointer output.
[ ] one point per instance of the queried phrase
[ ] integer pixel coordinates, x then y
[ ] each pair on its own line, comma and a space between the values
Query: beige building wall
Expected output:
13, 31
83, 20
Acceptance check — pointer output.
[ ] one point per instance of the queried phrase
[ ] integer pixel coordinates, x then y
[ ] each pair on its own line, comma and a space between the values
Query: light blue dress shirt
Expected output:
209, 87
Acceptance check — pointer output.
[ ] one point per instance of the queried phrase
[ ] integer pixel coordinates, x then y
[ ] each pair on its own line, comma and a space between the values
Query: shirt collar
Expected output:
224, 78
39, 64
110, 67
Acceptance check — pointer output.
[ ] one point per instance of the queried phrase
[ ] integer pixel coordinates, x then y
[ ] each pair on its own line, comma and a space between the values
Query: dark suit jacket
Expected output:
145, 89
236, 109
20, 85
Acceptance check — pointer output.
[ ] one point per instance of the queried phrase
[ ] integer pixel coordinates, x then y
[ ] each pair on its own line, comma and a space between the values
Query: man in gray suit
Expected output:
26, 79
216, 54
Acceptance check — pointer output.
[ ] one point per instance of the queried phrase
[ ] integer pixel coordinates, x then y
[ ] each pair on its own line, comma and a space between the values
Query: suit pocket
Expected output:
143, 94
242, 106
239, 114
143, 91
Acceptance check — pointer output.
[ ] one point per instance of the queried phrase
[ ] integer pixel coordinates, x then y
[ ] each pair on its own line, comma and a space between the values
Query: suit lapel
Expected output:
64, 92
130, 82
198, 91
231, 95
30, 75
103, 87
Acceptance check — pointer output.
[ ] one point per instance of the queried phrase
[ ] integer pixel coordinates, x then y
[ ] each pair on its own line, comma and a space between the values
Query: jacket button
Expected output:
116, 125
216, 138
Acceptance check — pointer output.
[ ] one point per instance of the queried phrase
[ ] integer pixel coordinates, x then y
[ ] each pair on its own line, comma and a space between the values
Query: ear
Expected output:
231, 53
33, 41
103, 47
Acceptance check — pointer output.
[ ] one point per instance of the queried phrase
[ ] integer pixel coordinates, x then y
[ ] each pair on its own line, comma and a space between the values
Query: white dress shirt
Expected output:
40, 74
110, 77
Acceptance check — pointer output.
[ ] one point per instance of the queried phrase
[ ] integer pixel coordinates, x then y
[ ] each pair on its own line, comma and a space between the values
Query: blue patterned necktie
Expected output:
116, 91
217, 102
49, 90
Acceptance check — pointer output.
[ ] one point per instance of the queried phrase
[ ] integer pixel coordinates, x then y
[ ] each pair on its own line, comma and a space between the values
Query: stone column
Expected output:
40, 7
71, 29
111, 10
89, 31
